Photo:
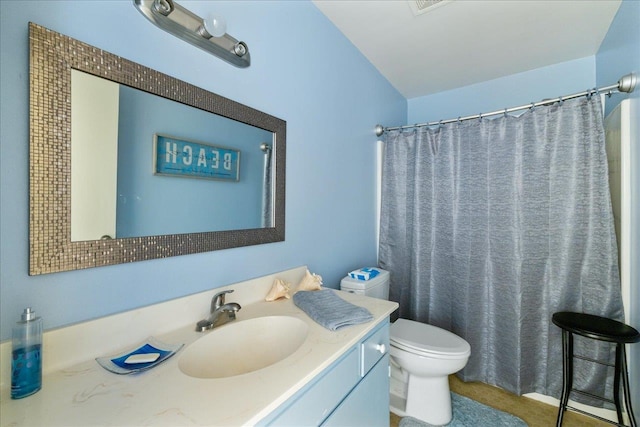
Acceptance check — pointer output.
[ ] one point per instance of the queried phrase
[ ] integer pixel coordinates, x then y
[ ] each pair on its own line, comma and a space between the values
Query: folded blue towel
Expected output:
329, 310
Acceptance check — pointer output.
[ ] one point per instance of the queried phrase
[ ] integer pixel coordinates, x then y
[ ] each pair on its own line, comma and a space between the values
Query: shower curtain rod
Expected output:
626, 84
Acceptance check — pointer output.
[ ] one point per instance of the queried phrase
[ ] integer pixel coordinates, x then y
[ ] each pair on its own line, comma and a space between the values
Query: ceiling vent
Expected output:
418, 7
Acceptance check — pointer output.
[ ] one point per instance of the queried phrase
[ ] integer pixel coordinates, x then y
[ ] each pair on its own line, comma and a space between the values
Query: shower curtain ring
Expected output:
533, 105
459, 121
561, 100
505, 112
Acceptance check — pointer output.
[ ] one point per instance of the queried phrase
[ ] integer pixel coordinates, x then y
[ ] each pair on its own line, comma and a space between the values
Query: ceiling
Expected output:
462, 42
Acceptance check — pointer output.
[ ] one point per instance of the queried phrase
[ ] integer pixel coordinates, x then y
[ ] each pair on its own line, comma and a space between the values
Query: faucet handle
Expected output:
231, 309
218, 299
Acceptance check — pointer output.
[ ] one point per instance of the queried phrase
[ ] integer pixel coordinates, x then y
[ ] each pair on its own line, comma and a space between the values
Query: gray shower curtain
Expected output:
267, 184
489, 226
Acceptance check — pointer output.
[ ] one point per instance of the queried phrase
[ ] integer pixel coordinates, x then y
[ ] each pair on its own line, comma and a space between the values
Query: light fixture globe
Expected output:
215, 26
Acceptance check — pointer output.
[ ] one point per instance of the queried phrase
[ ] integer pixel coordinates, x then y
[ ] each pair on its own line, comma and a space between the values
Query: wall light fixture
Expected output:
208, 34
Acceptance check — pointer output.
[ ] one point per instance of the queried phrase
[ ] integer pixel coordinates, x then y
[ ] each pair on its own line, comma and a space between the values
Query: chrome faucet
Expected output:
221, 312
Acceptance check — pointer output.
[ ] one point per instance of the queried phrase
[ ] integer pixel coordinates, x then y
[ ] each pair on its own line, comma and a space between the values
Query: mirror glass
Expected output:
118, 188
129, 164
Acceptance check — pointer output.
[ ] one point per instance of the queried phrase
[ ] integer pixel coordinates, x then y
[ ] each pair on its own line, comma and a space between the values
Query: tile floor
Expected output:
533, 412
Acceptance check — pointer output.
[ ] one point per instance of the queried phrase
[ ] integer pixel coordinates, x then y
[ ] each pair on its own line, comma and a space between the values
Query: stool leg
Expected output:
616, 381
625, 385
567, 373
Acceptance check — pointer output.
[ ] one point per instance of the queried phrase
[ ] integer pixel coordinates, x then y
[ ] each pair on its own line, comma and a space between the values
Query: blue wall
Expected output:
619, 54
510, 91
303, 71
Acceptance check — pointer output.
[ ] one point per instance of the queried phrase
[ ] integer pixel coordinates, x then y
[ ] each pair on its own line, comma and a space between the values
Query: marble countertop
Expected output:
85, 394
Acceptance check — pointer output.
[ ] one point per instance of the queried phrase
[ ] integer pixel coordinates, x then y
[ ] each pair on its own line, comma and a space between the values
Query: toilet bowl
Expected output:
422, 358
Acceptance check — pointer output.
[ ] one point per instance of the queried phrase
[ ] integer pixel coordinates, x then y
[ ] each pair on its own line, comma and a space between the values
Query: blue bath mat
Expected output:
469, 413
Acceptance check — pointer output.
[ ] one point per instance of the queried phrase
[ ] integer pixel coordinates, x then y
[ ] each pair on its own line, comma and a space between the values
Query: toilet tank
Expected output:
378, 287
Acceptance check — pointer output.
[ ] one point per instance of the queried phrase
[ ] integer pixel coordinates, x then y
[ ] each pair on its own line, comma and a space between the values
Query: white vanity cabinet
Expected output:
335, 379
368, 404
353, 391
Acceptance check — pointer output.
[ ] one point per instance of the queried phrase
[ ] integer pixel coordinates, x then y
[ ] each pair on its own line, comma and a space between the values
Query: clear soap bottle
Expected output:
26, 356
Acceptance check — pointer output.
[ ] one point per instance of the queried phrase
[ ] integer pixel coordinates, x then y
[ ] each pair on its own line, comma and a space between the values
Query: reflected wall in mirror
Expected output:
94, 197
114, 191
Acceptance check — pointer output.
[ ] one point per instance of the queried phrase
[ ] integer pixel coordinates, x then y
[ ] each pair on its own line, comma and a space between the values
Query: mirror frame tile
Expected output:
52, 56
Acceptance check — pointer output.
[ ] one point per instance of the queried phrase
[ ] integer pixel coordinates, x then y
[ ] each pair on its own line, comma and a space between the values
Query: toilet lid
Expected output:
425, 338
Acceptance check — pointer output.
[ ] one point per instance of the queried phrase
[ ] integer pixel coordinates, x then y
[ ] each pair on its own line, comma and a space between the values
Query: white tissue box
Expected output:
364, 273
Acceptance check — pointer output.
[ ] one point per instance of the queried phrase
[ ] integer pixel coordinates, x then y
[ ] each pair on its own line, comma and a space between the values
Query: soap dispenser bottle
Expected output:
26, 357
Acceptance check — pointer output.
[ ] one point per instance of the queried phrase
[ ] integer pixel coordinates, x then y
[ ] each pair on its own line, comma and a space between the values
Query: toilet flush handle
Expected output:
381, 348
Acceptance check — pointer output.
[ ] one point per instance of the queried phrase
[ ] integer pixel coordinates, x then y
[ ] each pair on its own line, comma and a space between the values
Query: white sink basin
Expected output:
243, 346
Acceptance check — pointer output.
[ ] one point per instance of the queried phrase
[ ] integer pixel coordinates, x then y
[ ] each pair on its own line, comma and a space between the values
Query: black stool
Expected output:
602, 329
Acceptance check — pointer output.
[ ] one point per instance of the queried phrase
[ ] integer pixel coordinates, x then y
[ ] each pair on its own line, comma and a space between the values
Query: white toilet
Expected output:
422, 358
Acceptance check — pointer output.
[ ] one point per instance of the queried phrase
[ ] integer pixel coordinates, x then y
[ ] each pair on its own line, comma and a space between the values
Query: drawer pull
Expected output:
381, 348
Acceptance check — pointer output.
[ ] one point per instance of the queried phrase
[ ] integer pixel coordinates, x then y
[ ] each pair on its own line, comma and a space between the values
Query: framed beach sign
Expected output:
191, 159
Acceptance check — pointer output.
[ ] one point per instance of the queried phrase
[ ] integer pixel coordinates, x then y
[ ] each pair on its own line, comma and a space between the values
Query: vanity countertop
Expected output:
85, 394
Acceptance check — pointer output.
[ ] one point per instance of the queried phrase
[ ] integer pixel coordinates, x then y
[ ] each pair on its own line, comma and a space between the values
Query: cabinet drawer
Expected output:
316, 401
373, 348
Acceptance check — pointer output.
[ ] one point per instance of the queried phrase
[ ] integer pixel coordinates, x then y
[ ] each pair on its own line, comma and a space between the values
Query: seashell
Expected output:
279, 289
310, 282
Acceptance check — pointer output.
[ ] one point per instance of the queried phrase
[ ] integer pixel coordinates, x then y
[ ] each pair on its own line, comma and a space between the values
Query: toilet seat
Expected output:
423, 339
